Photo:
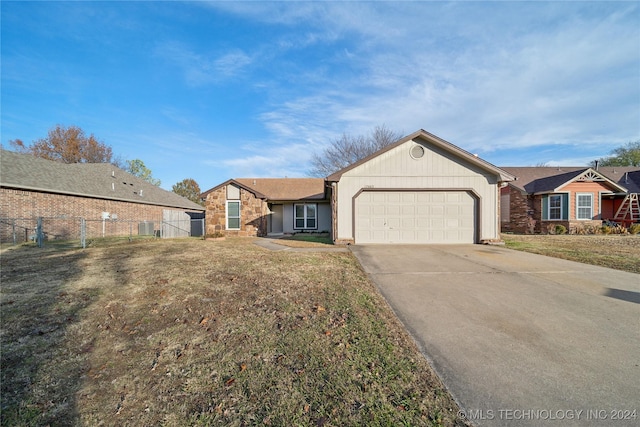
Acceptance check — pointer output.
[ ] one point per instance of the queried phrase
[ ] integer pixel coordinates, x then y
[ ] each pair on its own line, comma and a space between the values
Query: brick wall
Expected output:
253, 214
63, 212
521, 214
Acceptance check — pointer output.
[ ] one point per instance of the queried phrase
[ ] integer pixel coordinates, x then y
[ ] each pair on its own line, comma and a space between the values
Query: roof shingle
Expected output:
546, 178
97, 180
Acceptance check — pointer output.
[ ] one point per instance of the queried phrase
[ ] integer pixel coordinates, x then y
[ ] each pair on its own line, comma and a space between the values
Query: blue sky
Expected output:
219, 90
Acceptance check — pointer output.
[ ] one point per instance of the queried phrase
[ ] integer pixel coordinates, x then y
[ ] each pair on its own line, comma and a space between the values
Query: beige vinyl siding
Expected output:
437, 169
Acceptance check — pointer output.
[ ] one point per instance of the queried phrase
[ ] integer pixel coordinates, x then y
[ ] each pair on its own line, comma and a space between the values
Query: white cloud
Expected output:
552, 82
201, 69
276, 161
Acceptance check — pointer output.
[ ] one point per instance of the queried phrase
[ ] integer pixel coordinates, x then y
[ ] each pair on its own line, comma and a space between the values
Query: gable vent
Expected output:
417, 151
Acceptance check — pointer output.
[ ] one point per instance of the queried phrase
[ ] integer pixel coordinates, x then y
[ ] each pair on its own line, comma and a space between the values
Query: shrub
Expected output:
605, 229
560, 229
634, 229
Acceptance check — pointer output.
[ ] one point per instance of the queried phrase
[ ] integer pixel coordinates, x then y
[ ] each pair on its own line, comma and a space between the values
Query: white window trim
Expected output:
226, 214
305, 218
549, 208
578, 207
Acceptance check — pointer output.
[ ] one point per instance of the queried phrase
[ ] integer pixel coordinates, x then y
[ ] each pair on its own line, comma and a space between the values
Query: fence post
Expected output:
83, 233
39, 234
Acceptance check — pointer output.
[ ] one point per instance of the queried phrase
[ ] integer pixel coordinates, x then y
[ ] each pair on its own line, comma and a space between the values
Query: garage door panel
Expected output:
408, 197
393, 209
391, 197
423, 222
436, 210
393, 223
415, 217
377, 209
406, 210
377, 223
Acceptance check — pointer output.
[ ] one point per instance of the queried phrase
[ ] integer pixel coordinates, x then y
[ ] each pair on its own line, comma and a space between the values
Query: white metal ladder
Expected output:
629, 210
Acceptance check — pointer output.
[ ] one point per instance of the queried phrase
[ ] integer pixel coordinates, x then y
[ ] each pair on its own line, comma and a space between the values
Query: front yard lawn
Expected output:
621, 252
193, 332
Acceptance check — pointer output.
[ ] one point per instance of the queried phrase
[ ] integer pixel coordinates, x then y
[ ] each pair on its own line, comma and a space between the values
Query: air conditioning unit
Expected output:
145, 228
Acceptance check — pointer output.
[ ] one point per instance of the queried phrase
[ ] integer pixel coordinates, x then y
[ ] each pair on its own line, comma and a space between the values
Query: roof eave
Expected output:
502, 175
607, 180
98, 196
258, 194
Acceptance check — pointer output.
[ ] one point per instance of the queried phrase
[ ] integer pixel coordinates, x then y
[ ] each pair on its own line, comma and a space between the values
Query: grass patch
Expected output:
190, 332
306, 240
620, 252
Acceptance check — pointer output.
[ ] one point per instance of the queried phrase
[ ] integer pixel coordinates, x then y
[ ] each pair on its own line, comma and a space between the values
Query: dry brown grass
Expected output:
621, 252
192, 332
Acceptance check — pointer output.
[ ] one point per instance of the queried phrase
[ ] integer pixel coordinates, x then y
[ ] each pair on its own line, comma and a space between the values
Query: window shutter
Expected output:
545, 207
565, 206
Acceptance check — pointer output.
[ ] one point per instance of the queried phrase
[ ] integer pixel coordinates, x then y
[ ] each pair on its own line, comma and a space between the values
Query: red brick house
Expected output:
575, 197
267, 206
31, 187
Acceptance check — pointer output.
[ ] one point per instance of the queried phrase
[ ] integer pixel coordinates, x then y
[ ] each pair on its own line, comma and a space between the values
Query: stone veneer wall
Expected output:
253, 214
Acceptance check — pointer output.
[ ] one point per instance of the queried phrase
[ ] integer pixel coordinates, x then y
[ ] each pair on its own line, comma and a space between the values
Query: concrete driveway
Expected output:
519, 339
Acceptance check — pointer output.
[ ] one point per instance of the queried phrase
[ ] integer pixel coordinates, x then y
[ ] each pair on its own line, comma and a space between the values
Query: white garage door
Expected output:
415, 217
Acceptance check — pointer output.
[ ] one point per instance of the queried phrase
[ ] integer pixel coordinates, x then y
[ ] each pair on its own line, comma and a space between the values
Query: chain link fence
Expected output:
81, 232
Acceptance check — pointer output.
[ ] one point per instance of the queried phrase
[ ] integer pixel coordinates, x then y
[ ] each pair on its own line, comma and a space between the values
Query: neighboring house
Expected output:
421, 189
543, 197
32, 187
268, 206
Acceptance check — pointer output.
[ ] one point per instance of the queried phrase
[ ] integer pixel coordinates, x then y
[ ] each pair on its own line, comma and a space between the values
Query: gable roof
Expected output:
437, 141
541, 179
95, 180
279, 189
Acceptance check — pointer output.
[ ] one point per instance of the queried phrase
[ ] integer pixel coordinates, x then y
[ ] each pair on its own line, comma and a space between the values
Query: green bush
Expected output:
561, 229
634, 229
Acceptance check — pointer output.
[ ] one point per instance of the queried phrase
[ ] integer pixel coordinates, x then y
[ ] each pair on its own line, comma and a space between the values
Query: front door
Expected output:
275, 219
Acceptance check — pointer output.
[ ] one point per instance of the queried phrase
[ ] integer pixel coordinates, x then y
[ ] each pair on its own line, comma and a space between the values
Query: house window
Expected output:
555, 206
233, 215
584, 206
306, 216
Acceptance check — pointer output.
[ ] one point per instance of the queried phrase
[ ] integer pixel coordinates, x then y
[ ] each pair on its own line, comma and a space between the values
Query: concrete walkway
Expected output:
273, 245
519, 339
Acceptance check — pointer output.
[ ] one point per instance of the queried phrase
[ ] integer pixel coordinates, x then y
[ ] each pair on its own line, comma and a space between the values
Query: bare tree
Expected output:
349, 149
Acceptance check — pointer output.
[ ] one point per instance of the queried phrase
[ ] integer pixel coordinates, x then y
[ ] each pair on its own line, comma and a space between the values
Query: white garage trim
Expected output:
416, 215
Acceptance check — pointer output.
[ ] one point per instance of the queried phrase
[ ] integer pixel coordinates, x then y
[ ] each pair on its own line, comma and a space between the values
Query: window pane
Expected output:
584, 206
299, 223
233, 209
311, 223
299, 211
234, 222
555, 207
311, 211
